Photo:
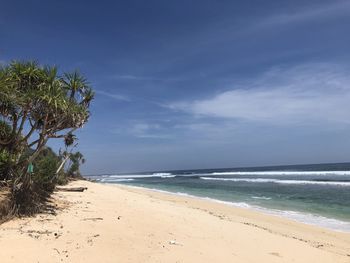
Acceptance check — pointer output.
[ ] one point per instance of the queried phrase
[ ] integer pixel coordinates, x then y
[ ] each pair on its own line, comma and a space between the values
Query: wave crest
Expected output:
268, 180
284, 173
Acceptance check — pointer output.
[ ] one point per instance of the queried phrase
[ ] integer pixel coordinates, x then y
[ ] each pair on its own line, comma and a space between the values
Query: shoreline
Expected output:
118, 223
296, 216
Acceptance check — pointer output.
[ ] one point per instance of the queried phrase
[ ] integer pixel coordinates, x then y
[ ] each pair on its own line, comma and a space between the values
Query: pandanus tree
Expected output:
5, 131
36, 105
74, 167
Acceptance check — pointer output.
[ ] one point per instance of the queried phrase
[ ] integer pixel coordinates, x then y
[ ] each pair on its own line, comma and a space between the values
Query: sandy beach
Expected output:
112, 223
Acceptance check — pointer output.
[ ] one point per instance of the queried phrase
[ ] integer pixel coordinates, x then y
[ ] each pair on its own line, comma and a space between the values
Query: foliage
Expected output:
45, 167
5, 130
36, 104
48, 105
4, 164
75, 160
5, 157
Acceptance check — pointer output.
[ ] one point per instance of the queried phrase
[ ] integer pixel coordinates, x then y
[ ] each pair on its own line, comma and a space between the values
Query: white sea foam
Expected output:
306, 218
261, 197
163, 174
106, 180
134, 176
269, 180
284, 173
167, 176
311, 219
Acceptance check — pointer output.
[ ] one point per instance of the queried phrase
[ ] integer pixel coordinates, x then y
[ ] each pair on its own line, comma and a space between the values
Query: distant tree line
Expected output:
37, 105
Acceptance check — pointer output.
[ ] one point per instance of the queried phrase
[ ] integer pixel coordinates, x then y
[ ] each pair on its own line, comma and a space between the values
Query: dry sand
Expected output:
109, 223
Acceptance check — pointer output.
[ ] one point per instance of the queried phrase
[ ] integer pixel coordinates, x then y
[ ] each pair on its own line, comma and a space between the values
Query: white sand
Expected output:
157, 227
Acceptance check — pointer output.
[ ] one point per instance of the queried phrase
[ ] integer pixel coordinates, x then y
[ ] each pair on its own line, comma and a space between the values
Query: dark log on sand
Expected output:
71, 189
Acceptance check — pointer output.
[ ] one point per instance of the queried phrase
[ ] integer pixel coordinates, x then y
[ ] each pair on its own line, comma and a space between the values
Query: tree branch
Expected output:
29, 133
33, 143
24, 117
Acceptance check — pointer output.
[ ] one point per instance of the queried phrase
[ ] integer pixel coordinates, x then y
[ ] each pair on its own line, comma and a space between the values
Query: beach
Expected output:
117, 223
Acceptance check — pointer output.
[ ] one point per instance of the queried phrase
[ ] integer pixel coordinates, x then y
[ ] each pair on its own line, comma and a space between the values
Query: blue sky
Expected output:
197, 84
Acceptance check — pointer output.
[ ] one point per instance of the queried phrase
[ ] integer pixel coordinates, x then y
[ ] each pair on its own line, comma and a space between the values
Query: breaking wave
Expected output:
285, 173
277, 181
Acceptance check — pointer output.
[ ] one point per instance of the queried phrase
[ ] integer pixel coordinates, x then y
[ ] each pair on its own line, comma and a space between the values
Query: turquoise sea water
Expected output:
314, 194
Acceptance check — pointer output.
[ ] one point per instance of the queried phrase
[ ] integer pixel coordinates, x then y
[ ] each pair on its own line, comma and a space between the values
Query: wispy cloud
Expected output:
146, 130
331, 9
229, 30
114, 96
144, 78
131, 77
309, 93
143, 130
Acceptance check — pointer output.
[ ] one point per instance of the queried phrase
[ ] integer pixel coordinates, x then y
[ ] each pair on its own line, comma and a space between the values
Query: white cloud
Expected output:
144, 78
334, 8
113, 96
130, 77
310, 93
145, 130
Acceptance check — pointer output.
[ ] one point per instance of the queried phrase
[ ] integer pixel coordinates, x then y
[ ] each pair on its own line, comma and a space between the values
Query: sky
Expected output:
196, 84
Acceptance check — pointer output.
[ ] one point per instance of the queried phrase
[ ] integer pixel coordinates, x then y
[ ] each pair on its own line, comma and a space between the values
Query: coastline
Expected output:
317, 197
300, 217
118, 223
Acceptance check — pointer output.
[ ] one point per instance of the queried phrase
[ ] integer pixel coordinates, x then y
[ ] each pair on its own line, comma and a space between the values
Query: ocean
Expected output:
317, 194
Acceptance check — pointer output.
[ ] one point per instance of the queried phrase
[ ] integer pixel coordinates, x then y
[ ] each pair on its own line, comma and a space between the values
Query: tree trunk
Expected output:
62, 164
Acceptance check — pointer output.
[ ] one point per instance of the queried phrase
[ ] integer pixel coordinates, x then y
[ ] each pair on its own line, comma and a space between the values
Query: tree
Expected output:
37, 105
5, 131
75, 160
45, 167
